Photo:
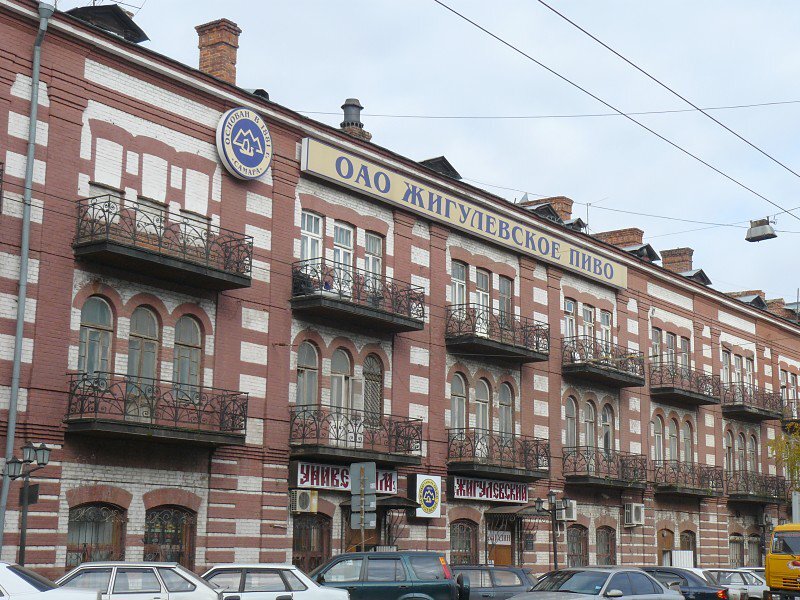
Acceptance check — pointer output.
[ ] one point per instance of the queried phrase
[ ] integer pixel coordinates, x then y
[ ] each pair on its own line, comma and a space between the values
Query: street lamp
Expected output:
15, 469
553, 506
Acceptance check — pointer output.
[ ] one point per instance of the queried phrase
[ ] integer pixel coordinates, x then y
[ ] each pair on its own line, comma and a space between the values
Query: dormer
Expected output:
442, 166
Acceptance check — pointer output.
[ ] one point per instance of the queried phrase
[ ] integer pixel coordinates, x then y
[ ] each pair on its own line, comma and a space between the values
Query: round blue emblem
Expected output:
243, 143
428, 496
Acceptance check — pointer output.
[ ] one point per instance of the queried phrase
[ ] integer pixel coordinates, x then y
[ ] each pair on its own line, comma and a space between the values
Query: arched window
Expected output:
307, 375
665, 545
658, 439
752, 455
606, 546
458, 402
463, 542
143, 345
186, 356
95, 336
373, 388
673, 440
741, 463
95, 532
506, 416
689, 542
482, 405
169, 535
577, 546
729, 452
341, 376
589, 425
571, 417
607, 423
688, 453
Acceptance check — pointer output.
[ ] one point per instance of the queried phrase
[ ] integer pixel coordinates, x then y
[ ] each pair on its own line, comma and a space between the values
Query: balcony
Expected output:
112, 405
588, 465
475, 329
670, 382
674, 477
791, 415
746, 402
145, 237
743, 486
480, 453
336, 293
348, 435
602, 362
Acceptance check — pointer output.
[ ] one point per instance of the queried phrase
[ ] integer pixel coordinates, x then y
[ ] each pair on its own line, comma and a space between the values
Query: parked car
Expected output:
139, 581
393, 575
268, 582
496, 582
693, 585
758, 571
750, 585
600, 583
20, 583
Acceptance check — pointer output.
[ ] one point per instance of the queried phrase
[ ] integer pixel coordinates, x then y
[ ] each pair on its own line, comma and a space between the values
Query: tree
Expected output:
786, 450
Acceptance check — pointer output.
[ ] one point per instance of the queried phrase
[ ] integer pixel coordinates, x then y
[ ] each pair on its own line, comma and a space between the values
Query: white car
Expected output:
19, 583
269, 582
747, 584
139, 581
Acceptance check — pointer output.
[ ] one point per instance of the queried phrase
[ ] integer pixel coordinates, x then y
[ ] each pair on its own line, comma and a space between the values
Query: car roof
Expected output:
251, 566
788, 527
113, 563
384, 554
608, 569
504, 567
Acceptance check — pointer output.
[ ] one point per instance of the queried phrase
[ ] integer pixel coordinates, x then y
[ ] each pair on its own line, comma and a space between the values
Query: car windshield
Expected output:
786, 542
577, 582
36, 581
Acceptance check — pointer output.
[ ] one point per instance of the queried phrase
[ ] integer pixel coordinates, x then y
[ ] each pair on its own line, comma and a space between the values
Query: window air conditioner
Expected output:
303, 501
634, 514
569, 512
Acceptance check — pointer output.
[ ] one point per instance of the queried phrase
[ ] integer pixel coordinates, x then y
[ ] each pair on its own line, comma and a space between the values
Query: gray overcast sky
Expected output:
414, 57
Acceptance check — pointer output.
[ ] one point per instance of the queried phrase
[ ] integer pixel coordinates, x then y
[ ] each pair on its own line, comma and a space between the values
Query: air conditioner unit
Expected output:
569, 512
634, 514
303, 501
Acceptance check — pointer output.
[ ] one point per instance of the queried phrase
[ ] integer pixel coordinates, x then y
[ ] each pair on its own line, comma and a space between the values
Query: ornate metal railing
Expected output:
599, 353
590, 461
744, 483
358, 286
675, 376
155, 403
150, 227
477, 320
750, 395
498, 449
679, 474
352, 429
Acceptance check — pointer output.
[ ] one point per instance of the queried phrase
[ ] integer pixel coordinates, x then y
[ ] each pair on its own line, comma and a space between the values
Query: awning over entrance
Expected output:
388, 503
526, 510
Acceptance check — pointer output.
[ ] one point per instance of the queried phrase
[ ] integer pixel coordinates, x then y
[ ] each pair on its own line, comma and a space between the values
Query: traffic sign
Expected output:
370, 478
370, 521
370, 501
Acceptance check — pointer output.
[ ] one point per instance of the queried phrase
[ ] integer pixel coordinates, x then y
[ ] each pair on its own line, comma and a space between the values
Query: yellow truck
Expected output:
782, 570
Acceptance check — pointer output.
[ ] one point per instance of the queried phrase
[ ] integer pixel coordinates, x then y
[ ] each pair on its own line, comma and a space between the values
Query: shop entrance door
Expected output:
500, 546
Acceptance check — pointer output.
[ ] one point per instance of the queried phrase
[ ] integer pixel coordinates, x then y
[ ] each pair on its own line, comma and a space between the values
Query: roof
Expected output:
753, 300
111, 17
546, 211
643, 251
441, 165
698, 276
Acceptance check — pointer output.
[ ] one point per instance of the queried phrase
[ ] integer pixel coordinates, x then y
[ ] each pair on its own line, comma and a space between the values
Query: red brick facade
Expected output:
119, 120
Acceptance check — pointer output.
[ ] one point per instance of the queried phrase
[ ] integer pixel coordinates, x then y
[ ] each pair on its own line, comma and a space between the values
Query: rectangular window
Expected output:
343, 258
726, 366
749, 371
311, 236
793, 387
482, 282
569, 318
373, 260
684, 358
506, 301
784, 384
458, 285
737, 369
605, 329
588, 322
655, 351
671, 343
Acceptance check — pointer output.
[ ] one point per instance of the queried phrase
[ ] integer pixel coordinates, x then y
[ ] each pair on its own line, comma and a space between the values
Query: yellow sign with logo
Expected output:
356, 173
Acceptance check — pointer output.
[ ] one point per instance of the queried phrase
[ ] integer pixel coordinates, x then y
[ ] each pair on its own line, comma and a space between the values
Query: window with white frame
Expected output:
738, 375
749, 373
726, 366
605, 329
670, 349
343, 257
341, 380
684, 358
310, 236
458, 402
373, 260
588, 322
658, 439
590, 425
482, 405
673, 440
458, 287
482, 301
571, 418
569, 318
688, 454
506, 410
506, 297
655, 345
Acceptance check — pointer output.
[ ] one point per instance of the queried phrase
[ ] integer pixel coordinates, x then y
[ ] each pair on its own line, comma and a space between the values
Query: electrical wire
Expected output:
614, 108
672, 91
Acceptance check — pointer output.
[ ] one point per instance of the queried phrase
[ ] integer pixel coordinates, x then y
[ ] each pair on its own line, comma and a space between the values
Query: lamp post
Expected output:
15, 468
553, 506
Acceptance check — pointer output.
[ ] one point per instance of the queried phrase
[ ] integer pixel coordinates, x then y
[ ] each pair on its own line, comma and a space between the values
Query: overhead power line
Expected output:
557, 116
670, 90
614, 108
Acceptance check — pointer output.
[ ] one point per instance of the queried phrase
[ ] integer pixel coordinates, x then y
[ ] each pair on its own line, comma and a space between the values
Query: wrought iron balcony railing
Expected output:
343, 282
354, 431
148, 227
478, 321
746, 485
593, 463
600, 354
748, 398
679, 379
140, 406
498, 450
688, 476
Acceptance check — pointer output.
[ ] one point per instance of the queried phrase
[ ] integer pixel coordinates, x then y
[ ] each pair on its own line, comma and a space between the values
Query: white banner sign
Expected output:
337, 478
489, 490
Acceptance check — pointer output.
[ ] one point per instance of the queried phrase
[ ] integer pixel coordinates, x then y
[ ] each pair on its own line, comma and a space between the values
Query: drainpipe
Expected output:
45, 12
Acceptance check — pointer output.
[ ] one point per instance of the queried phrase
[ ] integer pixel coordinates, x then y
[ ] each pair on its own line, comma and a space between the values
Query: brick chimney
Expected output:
218, 43
352, 124
561, 204
677, 260
622, 238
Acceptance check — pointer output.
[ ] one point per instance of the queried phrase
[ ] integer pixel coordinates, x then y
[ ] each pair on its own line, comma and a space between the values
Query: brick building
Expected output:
200, 350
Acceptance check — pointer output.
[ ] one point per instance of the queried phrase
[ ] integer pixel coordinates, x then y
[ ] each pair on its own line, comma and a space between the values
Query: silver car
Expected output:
586, 583
747, 584
139, 581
